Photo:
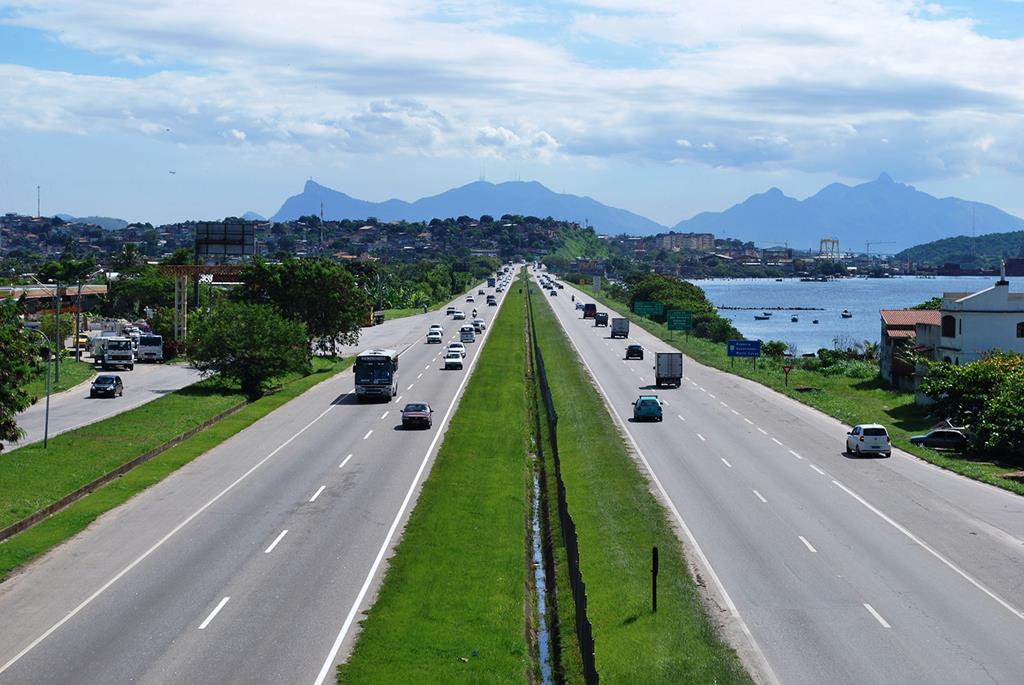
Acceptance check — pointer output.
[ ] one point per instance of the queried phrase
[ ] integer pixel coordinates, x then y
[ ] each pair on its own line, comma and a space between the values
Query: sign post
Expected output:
743, 348
786, 368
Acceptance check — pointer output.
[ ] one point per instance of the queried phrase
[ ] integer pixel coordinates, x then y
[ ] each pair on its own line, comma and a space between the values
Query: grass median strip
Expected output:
618, 521
71, 374
31, 477
851, 400
451, 608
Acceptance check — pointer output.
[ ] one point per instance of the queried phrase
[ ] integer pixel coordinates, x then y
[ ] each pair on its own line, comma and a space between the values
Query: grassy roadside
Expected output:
71, 374
32, 477
851, 400
618, 520
452, 605
390, 314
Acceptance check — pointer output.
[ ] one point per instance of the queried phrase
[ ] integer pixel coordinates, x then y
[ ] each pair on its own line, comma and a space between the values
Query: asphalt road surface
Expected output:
834, 569
74, 408
251, 564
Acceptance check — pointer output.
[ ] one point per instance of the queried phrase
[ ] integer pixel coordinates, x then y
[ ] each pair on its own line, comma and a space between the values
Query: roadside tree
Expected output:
248, 343
17, 367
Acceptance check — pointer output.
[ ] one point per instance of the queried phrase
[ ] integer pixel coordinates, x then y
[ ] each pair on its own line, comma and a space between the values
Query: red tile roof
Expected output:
910, 317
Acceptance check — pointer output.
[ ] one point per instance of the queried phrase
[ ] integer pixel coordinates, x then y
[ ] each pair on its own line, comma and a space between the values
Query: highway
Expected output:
74, 408
253, 563
831, 569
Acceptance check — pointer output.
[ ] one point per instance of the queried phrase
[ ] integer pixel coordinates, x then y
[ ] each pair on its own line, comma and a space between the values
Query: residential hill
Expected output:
967, 251
526, 198
892, 215
253, 216
107, 222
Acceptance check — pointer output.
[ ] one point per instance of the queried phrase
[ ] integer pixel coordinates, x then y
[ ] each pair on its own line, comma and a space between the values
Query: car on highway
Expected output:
458, 315
470, 298
579, 305
106, 385
942, 439
456, 347
492, 301
417, 414
634, 351
480, 292
647, 408
83, 341
467, 334
553, 293
868, 438
452, 360
449, 311
479, 325
434, 337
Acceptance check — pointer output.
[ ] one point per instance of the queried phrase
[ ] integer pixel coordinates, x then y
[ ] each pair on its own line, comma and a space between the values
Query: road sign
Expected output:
744, 348
648, 308
786, 368
597, 283
679, 320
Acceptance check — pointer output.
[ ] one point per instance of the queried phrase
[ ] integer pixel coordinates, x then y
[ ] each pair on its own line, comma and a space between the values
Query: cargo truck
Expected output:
491, 282
600, 319
620, 328
668, 369
113, 351
589, 311
151, 348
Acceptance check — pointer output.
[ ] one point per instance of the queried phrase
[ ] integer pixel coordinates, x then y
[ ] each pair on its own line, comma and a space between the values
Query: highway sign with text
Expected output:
679, 320
648, 308
744, 348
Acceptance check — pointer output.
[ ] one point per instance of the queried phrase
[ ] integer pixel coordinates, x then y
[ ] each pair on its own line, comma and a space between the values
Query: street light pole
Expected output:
49, 359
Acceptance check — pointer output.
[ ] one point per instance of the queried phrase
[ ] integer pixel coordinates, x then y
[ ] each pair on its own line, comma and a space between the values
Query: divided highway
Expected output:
250, 564
836, 569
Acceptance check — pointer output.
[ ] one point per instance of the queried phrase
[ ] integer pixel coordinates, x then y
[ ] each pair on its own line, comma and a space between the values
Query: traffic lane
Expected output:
171, 506
978, 527
753, 446
74, 408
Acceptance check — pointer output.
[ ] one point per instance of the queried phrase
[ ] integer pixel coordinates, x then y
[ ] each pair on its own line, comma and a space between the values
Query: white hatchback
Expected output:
868, 438
434, 337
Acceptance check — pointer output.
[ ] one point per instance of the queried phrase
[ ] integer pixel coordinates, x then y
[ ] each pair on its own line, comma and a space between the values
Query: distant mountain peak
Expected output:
885, 179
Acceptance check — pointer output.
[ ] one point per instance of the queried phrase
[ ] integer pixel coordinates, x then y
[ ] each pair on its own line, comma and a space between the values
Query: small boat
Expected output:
794, 319
778, 280
815, 321
766, 313
846, 314
761, 318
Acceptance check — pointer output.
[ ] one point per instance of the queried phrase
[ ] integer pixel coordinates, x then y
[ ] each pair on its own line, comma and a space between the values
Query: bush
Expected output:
774, 348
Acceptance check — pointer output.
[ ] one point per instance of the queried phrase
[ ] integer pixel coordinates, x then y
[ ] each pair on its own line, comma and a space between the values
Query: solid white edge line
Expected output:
760, 496
878, 617
956, 569
726, 462
273, 544
748, 420
317, 493
344, 461
103, 588
333, 654
807, 544
216, 610
776, 441
769, 673
817, 469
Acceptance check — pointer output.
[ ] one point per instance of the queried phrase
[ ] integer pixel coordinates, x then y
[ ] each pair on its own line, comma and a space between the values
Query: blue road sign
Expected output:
744, 348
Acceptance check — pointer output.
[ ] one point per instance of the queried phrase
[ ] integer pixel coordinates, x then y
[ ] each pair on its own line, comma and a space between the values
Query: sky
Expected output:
163, 110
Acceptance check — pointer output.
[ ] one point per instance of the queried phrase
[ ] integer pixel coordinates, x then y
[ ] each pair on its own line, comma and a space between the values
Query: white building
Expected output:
973, 324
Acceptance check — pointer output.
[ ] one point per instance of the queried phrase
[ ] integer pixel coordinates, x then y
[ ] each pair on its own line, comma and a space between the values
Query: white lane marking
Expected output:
680, 417
762, 431
795, 454
963, 574
410, 387
766, 668
878, 617
735, 412
723, 404
273, 544
368, 434
760, 496
817, 469
642, 379
385, 415
694, 384
428, 366
807, 544
138, 560
712, 396
419, 376
702, 389
216, 610
328, 665
344, 461
777, 442
726, 462
703, 439
317, 493
748, 420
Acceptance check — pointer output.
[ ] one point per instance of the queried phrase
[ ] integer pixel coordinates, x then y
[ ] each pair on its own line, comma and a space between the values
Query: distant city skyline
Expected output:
168, 111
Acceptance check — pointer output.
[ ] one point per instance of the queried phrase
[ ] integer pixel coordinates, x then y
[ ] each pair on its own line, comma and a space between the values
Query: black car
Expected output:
942, 438
108, 386
634, 352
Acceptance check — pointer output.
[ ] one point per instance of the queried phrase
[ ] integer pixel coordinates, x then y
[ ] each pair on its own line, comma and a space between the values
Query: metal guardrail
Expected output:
584, 629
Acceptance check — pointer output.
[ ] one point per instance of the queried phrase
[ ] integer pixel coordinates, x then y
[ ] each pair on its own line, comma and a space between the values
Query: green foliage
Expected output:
774, 348
981, 251
678, 294
985, 396
17, 367
248, 343
933, 303
132, 291
48, 325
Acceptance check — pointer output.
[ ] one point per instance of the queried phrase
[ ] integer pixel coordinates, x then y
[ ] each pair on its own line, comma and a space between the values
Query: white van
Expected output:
467, 334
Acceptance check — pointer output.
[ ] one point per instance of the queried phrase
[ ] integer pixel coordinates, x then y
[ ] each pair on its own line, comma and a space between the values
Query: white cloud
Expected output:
784, 85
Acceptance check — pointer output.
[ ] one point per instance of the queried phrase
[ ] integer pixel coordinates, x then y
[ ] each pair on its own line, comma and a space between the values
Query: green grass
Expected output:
71, 374
618, 520
452, 605
851, 400
390, 314
31, 478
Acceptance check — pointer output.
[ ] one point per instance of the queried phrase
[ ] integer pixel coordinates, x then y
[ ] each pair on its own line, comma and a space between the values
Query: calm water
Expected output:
862, 296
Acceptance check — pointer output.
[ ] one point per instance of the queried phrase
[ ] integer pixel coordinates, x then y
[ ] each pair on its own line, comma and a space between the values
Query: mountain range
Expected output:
106, 222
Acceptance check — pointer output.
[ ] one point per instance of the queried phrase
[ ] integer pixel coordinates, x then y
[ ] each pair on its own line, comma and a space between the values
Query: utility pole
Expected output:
38, 204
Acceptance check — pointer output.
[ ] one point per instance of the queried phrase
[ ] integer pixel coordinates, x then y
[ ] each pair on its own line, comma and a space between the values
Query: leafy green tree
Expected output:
933, 303
17, 367
774, 348
128, 294
249, 343
48, 325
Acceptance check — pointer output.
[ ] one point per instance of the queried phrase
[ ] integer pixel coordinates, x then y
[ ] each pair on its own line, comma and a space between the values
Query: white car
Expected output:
868, 438
467, 334
434, 337
456, 347
453, 360
470, 298
480, 325
459, 314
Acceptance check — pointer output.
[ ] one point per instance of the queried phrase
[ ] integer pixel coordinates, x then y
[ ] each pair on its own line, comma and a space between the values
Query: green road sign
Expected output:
680, 320
648, 308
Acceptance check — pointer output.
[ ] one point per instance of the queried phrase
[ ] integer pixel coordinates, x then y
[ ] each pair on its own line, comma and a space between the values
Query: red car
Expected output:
417, 414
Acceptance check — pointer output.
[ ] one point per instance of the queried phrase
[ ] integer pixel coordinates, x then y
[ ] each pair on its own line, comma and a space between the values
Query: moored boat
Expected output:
846, 314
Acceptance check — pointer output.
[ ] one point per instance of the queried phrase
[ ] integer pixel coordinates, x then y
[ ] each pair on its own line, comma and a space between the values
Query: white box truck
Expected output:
151, 348
113, 351
668, 369
620, 328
